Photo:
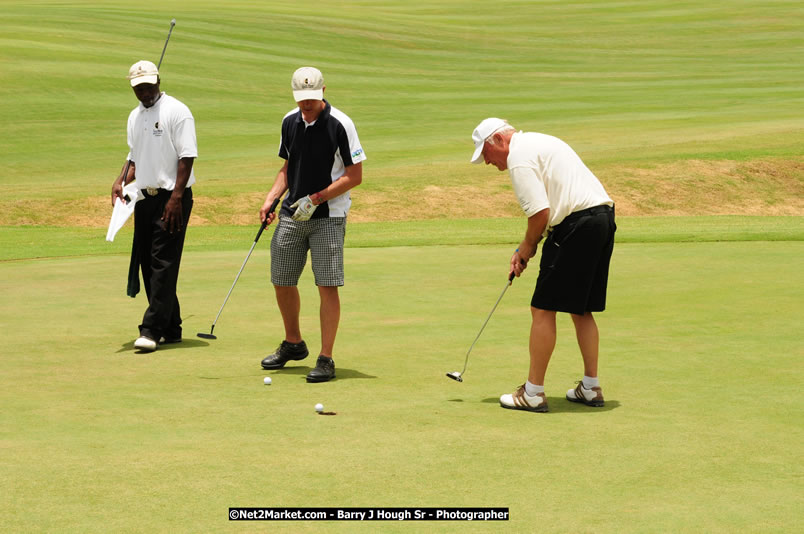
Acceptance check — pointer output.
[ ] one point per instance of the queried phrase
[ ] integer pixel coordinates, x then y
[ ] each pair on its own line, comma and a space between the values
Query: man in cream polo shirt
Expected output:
568, 205
162, 143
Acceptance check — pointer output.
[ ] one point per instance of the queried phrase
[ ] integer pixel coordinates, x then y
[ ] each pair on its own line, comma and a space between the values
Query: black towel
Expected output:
133, 286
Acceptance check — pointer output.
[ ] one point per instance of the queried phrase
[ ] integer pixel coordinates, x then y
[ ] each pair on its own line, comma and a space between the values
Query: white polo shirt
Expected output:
547, 173
157, 138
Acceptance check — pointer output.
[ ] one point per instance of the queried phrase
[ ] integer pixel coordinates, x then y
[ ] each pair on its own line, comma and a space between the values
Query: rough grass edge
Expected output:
30, 242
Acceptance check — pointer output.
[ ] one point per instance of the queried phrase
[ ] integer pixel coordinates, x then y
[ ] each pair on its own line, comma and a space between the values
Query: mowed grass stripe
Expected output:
633, 78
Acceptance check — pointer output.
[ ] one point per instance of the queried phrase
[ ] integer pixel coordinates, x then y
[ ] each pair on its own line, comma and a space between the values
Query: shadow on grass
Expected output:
340, 372
186, 343
562, 405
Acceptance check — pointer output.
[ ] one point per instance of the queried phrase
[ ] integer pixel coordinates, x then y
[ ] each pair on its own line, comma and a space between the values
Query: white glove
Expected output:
304, 209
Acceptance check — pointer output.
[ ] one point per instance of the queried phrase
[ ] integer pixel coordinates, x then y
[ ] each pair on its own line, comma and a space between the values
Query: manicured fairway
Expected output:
698, 358
680, 107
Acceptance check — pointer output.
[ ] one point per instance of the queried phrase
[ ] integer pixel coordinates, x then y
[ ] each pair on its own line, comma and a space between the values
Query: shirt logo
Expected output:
357, 153
157, 131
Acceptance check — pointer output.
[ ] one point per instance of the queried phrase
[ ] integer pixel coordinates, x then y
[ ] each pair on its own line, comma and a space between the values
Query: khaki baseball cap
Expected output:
143, 72
483, 132
307, 84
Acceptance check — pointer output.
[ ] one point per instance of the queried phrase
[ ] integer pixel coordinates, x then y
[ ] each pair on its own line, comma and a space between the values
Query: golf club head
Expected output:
455, 376
206, 336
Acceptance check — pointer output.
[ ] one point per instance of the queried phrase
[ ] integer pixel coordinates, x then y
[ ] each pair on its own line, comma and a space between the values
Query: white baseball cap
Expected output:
143, 72
307, 84
483, 132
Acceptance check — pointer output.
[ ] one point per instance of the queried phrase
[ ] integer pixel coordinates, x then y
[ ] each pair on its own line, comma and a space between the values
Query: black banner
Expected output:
368, 514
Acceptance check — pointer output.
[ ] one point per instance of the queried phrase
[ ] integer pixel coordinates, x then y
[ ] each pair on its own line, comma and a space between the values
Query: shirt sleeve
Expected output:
351, 150
184, 138
182, 130
529, 190
130, 137
284, 153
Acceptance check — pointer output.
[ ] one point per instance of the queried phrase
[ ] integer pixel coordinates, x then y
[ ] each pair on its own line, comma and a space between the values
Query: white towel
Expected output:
123, 210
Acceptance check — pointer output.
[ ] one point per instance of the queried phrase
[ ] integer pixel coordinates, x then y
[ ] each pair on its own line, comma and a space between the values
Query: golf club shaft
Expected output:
234, 283
256, 239
172, 23
125, 173
507, 285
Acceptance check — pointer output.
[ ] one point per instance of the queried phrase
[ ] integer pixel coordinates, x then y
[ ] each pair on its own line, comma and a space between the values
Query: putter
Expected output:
172, 23
455, 375
262, 227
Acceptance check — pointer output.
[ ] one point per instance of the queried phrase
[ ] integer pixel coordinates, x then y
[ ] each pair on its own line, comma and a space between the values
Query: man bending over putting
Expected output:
568, 205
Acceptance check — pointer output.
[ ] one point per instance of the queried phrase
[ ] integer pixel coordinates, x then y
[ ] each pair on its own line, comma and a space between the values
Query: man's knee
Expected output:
539, 315
328, 291
582, 319
286, 290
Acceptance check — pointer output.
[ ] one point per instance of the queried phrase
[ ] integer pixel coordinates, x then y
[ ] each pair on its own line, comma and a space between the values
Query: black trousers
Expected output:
159, 254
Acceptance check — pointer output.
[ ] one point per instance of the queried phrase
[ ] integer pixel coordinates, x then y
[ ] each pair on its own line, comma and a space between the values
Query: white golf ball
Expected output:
267, 380
319, 407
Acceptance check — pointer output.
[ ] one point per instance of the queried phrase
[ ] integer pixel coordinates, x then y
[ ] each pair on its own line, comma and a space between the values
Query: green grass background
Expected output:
701, 342
626, 83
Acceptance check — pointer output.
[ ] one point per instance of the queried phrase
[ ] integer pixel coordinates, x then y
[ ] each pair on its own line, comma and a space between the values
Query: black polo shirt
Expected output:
317, 156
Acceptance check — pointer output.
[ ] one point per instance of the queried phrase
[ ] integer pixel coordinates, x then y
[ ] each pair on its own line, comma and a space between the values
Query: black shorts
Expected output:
574, 269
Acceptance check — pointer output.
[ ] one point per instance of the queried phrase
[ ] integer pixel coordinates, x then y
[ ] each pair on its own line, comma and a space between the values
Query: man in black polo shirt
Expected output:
323, 161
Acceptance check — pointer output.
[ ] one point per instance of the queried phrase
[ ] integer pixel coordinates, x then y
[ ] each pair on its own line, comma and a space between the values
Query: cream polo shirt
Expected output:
157, 138
547, 173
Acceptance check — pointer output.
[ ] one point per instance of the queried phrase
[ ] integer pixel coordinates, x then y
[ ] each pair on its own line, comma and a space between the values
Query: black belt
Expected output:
153, 191
588, 211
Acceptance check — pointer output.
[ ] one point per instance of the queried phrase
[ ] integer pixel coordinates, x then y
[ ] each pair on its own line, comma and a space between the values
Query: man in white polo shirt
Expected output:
162, 143
568, 205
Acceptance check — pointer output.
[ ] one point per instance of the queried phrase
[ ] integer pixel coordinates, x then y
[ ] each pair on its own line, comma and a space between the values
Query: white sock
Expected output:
532, 389
589, 382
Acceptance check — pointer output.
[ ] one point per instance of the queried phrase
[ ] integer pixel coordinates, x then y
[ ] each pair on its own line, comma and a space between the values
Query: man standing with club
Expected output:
323, 161
566, 203
162, 143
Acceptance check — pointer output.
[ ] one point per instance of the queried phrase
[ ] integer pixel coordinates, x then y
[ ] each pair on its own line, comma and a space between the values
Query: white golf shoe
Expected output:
589, 396
145, 344
520, 400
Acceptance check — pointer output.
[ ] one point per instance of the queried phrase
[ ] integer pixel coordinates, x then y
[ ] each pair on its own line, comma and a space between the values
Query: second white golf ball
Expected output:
319, 407
267, 380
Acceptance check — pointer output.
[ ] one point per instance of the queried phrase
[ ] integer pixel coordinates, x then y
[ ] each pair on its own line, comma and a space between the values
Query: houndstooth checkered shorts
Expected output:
322, 237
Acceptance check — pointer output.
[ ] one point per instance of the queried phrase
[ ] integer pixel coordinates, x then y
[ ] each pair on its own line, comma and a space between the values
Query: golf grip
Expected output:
265, 222
512, 275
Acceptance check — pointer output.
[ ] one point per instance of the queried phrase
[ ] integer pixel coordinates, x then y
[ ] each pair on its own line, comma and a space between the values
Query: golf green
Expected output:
695, 363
